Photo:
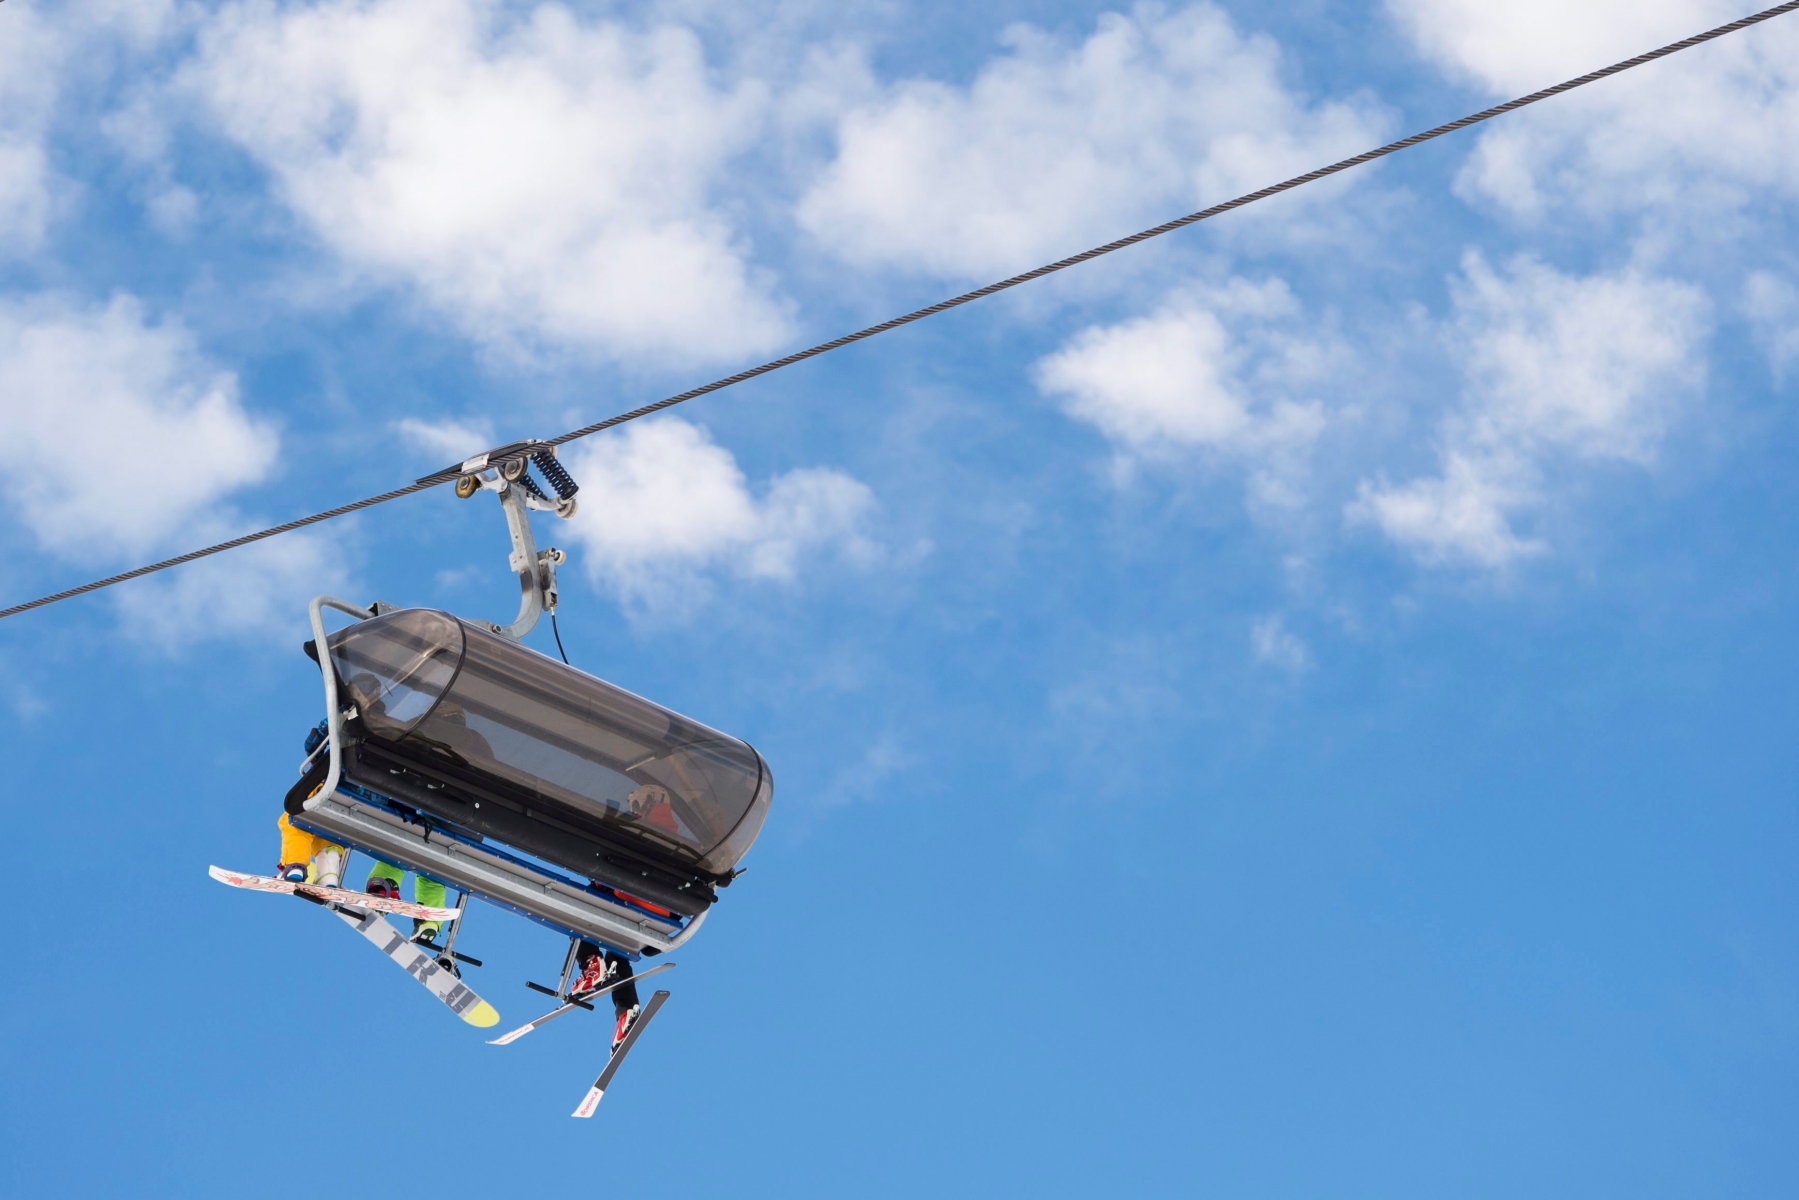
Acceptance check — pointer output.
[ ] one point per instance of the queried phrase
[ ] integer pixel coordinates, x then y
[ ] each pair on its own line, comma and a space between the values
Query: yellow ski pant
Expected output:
298, 846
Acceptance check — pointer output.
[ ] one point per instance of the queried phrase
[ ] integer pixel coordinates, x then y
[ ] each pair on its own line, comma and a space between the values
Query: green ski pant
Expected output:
428, 892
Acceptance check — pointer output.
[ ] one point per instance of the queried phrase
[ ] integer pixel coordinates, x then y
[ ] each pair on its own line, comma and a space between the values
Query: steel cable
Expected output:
430, 481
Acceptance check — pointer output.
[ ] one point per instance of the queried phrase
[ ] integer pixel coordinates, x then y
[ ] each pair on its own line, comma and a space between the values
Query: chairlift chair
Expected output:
457, 752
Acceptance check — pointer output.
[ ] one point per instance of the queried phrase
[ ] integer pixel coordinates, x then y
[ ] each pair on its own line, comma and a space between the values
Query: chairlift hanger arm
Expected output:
506, 472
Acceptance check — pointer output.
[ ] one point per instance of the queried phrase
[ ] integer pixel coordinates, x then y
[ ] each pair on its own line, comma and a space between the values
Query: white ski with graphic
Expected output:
576, 1000
591, 1101
266, 883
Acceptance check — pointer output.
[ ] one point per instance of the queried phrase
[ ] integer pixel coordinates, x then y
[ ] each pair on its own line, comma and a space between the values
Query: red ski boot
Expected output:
622, 1030
593, 974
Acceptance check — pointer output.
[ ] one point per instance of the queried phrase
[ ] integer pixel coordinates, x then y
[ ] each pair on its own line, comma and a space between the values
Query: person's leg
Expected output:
619, 967
296, 851
328, 865
307, 855
624, 999
431, 894
384, 880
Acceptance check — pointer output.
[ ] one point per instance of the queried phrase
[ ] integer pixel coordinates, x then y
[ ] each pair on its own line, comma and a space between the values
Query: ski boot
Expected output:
593, 974
626, 1019
424, 933
325, 867
291, 872
381, 885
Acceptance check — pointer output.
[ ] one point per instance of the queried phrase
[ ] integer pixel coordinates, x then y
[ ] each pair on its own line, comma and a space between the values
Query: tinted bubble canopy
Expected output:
592, 752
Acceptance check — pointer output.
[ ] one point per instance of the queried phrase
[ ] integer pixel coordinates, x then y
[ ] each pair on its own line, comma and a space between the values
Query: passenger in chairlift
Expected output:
384, 879
308, 858
651, 805
600, 967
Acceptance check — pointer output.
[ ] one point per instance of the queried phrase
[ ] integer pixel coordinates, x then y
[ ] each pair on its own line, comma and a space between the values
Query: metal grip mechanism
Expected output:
506, 471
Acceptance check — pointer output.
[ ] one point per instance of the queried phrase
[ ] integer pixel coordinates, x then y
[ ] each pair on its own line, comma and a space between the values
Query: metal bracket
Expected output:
506, 477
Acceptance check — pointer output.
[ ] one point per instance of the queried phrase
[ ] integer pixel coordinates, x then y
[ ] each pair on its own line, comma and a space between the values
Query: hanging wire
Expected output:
558, 633
450, 473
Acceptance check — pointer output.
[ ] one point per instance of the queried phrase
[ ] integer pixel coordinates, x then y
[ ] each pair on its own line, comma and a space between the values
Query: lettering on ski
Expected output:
456, 995
591, 1101
265, 883
508, 1038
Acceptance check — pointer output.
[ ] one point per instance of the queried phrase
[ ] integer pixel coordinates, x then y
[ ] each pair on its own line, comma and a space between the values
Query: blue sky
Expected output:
1301, 708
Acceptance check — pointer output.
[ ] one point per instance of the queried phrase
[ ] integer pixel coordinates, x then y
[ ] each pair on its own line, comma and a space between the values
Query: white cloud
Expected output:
258, 591
864, 779
1771, 305
1272, 643
1560, 369
129, 431
1528, 44
543, 180
1053, 147
445, 442
1709, 130
141, 131
663, 508
1594, 364
134, 444
31, 53
1233, 369
48, 54
1463, 515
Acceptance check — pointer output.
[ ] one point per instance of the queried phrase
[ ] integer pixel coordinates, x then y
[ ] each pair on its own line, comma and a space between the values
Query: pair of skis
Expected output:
362, 912
576, 1000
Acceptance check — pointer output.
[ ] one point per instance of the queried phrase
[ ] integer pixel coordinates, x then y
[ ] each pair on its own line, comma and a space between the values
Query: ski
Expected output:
575, 1000
591, 1101
266, 883
439, 981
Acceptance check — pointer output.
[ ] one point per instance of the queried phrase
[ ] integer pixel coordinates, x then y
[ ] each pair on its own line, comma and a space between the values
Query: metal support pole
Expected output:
455, 926
568, 966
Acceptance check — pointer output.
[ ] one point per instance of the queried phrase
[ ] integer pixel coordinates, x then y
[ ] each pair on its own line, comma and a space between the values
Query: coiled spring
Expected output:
558, 478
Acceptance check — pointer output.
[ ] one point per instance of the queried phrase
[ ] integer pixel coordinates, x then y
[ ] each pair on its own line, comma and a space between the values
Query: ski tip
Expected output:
506, 1039
588, 1103
482, 1016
